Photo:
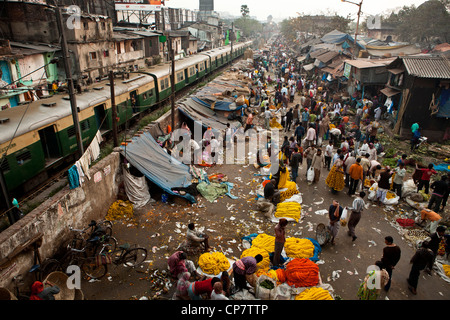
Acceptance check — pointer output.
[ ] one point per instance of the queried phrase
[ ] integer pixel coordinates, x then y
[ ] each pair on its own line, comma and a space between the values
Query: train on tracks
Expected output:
38, 138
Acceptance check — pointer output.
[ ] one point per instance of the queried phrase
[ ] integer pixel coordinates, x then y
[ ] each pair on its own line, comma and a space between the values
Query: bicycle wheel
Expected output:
49, 266
93, 269
111, 244
134, 257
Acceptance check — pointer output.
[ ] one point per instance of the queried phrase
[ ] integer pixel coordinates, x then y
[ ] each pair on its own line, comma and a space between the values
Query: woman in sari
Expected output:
369, 289
335, 179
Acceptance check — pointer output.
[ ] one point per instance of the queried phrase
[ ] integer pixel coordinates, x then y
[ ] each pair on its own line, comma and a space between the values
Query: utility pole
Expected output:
172, 82
113, 108
232, 38
73, 101
357, 25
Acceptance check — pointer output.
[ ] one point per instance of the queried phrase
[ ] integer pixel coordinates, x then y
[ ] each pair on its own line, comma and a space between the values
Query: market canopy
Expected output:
147, 156
336, 36
198, 112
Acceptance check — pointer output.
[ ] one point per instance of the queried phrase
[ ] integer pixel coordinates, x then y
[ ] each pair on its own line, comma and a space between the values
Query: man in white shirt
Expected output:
328, 154
355, 215
216, 150
372, 152
399, 176
197, 152
310, 136
364, 148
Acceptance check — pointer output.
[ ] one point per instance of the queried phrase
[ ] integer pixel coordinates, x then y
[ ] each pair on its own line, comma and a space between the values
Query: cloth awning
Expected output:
146, 155
309, 67
198, 112
389, 92
396, 71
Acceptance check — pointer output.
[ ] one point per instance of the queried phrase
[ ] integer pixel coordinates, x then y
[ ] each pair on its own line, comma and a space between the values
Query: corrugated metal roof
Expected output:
362, 63
327, 56
427, 66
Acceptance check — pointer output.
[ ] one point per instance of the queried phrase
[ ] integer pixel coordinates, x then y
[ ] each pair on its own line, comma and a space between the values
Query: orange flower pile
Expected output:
302, 273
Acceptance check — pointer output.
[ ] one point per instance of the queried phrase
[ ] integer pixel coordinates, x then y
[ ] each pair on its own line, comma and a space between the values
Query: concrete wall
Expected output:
76, 208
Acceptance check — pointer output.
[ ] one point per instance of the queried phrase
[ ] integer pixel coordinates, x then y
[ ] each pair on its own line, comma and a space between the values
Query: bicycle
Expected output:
97, 267
80, 249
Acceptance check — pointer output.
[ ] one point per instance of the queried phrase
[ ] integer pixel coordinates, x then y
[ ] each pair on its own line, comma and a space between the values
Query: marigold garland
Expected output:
264, 241
302, 273
213, 263
299, 248
314, 293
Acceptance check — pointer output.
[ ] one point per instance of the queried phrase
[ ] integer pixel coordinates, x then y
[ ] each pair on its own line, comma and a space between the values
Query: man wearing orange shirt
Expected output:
356, 175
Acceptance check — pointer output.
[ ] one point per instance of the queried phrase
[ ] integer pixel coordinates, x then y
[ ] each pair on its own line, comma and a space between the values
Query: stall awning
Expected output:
389, 92
309, 67
396, 71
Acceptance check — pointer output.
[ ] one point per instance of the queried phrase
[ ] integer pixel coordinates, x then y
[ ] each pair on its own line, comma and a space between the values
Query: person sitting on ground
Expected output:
38, 292
218, 293
196, 239
271, 192
183, 284
202, 289
178, 264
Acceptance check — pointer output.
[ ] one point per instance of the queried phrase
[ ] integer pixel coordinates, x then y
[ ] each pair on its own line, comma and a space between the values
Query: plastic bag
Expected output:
344, 217
264, 293
310, 175
283, 292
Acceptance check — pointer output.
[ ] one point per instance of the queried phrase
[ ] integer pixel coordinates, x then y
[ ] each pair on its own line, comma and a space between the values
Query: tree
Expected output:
245, 11
426, 24
249, 26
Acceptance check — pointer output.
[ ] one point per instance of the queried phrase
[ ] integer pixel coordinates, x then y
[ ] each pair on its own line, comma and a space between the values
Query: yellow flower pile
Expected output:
288, 210
264, 241
120, 210
446, 269
314, 293
299, 248
253, 252
275, 124
292, 190
367, 183
213, 263
390, 195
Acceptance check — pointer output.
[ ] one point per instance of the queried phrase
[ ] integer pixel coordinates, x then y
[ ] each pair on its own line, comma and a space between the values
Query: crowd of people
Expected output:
337, 136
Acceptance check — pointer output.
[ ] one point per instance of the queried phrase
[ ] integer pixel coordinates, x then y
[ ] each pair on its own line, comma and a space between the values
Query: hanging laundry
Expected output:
74, 178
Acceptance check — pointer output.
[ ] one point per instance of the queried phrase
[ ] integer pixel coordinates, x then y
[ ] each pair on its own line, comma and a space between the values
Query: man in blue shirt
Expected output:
305, 118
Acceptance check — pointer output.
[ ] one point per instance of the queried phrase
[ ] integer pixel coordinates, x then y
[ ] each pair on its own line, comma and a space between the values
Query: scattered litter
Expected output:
377, 230
322, 212
372, 243
318, 202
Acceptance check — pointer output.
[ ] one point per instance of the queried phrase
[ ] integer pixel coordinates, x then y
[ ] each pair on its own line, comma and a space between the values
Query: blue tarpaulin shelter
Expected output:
146, 155
218, 105
339, 37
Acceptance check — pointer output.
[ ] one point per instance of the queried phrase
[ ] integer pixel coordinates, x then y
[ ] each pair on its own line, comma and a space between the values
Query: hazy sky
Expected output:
280, 9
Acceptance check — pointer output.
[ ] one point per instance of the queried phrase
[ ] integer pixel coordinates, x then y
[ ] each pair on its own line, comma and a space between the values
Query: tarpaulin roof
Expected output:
196, 111
336, 36
218, 104
146, 155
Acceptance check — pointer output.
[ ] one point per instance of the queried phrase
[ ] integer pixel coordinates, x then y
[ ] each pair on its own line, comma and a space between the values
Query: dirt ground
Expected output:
161, 227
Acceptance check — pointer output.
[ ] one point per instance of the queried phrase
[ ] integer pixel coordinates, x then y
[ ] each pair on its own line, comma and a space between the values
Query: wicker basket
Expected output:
5, 294
59, 279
